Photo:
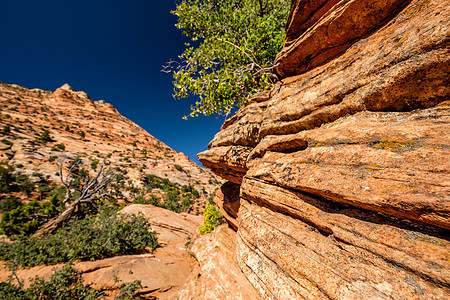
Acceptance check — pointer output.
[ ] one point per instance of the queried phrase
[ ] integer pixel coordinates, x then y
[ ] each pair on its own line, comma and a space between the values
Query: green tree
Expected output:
233, 51
93, 237
46, 137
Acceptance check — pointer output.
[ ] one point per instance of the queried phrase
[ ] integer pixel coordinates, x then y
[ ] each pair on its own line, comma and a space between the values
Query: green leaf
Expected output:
233, 42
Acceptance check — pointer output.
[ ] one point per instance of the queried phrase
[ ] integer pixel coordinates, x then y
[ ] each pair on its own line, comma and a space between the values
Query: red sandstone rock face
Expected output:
227, 199
217, 275
319, 31
344, 170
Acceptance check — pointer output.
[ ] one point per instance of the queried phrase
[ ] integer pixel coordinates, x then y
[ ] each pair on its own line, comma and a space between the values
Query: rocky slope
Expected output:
91, 130
162, 273
343, 168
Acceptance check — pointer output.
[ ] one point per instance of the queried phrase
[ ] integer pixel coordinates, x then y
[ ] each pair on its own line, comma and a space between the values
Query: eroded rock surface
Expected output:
217, 276
344, 181
227, 199
321, 30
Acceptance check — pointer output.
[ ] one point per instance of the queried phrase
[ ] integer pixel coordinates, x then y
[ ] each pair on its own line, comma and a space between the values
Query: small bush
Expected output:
45, 137
178, 167
7, 204
10, 182
173, 199
59, 147
6, 179
6, 130
195, 193
25, 219
213, 218
82, 134
95, 237
24, 183
153, 200
190, 189
94, 164
127, 290
64, 284
7, 142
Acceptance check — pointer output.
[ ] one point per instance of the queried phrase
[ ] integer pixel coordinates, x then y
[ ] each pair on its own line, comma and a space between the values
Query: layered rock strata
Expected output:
344, 170
321, 30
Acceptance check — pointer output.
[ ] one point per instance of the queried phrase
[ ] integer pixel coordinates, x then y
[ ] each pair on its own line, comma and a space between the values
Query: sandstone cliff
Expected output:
342, 169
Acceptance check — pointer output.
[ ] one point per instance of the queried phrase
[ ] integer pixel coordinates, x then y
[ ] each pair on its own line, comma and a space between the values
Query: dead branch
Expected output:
90, 190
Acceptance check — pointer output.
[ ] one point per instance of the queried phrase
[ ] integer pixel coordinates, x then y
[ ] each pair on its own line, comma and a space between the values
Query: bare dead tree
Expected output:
89, 190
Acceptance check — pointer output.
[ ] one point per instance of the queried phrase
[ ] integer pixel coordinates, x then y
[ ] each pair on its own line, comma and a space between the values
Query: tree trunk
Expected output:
54, 223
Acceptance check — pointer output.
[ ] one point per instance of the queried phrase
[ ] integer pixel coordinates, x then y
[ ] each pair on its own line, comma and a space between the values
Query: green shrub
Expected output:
173, 199
66, 284
213, 218
190, 189
94, 164
178, 167
25, 219
127, 290
6, 179
10, 203
7, 142
153, 200
10, 182
24, 183
59, 147
45, 137
6, 130
94, 237
82, 134
195, 193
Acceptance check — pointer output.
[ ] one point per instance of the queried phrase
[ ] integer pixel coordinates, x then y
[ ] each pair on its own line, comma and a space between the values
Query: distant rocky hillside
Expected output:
39, 128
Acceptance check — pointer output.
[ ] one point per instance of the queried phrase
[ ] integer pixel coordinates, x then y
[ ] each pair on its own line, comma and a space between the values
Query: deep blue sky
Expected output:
111, 49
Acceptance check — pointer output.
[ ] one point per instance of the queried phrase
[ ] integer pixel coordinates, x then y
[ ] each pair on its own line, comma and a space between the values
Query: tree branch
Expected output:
248, 55
90, 191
